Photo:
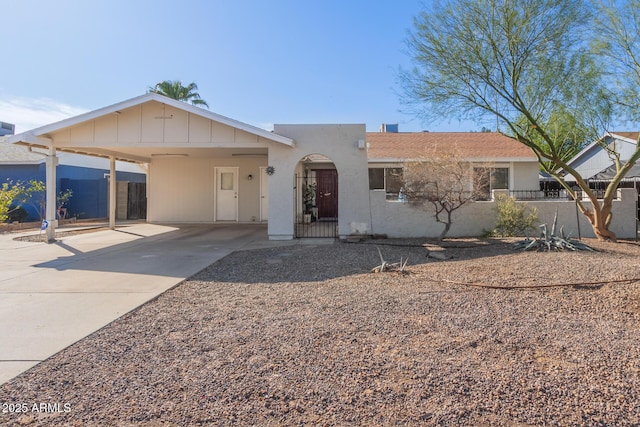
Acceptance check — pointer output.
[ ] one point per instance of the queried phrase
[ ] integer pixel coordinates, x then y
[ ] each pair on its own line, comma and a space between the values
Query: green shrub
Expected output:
8, 193
513, 218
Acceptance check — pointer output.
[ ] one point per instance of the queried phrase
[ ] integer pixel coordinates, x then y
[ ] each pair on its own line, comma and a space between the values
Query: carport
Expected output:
202, 167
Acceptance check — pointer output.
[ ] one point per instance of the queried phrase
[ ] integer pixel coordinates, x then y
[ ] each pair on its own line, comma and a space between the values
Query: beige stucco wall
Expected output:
525, 176
340, 144
182, 189
397, 219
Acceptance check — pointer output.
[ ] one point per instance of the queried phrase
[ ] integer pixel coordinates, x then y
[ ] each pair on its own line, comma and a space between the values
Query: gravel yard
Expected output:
306, 335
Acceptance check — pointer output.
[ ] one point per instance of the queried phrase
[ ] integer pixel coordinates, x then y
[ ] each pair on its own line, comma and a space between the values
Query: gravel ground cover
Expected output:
306, 335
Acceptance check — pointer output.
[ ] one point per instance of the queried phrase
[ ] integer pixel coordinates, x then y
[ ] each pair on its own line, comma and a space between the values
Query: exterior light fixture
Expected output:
250, 177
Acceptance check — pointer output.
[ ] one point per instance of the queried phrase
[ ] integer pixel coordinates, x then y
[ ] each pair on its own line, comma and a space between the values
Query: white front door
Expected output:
227, 194
264, 194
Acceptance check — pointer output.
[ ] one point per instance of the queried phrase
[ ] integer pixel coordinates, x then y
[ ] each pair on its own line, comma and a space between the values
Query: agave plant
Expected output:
387, 266
549, 241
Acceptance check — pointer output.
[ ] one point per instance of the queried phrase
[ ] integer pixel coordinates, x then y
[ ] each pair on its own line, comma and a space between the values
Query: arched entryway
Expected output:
316, 197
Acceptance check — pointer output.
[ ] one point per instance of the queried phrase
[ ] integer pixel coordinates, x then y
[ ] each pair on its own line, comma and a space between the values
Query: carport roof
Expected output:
39, 136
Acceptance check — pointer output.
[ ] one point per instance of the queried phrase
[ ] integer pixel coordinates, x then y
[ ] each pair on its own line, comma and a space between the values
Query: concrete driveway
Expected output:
52, 295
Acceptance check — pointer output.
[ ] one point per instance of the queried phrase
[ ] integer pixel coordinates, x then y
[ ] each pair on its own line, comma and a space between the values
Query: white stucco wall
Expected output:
397, 219
340, 144
182, 189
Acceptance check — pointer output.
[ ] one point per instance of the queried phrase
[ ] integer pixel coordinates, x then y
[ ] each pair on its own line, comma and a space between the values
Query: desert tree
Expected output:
527, 64
442, 183
618, 47
176, 90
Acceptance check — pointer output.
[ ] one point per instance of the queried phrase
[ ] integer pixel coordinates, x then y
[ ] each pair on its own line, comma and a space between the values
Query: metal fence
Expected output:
316, 200
553, 194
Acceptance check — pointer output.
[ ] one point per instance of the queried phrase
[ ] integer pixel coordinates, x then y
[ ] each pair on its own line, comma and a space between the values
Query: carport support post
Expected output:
51, 162
112, 192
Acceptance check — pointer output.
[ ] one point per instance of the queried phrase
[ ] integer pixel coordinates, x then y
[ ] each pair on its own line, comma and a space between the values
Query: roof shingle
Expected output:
630, 135
468, 145
15, 154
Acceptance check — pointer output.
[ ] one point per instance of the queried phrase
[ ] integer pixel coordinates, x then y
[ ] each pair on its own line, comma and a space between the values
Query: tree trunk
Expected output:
447, 227
600, 226
599, 219
600, 215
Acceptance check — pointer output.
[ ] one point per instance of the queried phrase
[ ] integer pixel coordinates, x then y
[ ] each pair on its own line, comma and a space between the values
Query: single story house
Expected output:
86, 176
301, 179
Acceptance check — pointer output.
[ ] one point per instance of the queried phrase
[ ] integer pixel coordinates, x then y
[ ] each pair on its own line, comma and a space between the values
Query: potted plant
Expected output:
309, 200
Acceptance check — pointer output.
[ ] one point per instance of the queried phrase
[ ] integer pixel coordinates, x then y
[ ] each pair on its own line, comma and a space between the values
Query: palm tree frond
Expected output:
176, 90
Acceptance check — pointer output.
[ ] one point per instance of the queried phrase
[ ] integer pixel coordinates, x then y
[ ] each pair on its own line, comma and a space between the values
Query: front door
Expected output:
227, 194
327, 194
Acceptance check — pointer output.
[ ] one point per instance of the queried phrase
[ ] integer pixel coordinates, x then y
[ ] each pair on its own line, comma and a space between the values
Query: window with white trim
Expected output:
491, 179
387, 179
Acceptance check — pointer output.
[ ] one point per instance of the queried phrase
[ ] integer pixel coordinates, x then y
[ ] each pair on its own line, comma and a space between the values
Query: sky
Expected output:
260, 62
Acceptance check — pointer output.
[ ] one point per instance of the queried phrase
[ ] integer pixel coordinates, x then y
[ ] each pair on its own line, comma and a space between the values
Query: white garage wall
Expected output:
182, 189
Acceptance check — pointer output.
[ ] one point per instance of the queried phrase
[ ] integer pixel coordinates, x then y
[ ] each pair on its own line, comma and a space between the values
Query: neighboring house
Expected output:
7, 129
302, 180
594, 158
86, 176
595, 164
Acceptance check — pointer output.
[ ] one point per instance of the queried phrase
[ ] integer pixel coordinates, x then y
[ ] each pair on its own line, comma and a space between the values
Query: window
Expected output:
388, 179
376, 179
499, 178
487, 179
226, 181
393, 180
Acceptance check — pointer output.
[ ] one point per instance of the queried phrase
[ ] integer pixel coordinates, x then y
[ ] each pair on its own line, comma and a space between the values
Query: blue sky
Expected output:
257, 61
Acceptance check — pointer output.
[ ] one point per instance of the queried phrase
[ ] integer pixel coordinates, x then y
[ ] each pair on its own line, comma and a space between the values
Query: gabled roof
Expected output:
630, 137
44, 130
473, 146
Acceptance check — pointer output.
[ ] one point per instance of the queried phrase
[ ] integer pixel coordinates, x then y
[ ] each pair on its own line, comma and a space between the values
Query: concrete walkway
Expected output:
52, 295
